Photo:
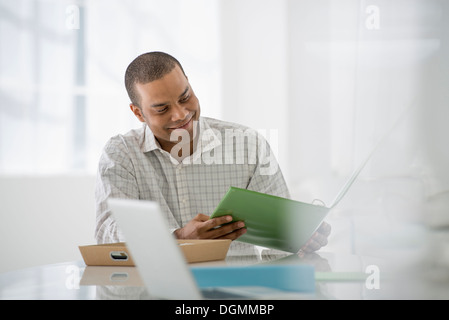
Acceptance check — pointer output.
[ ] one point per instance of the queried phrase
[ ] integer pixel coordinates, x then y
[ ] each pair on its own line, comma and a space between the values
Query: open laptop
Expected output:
163, 268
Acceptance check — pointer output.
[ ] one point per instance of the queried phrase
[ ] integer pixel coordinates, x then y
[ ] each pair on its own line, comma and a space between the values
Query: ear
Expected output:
137, 112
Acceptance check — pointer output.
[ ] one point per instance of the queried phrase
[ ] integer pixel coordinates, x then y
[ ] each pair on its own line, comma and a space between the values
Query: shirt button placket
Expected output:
182, 194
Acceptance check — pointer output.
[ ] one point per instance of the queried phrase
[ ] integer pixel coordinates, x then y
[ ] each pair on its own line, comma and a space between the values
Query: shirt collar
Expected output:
149, 143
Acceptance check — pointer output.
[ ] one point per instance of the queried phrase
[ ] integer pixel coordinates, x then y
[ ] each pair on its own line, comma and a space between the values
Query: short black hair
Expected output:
146, 68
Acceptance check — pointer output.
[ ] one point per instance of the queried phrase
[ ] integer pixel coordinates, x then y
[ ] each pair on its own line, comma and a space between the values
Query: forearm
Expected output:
108, 232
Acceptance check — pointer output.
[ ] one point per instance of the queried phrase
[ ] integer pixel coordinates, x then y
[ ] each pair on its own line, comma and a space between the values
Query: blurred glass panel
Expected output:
62, 66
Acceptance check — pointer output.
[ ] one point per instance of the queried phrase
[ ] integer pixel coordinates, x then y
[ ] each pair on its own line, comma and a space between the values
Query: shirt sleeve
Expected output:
115, 179
267, 176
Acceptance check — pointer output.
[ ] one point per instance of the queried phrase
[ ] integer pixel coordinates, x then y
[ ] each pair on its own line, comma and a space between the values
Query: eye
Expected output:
185, 99
162, 110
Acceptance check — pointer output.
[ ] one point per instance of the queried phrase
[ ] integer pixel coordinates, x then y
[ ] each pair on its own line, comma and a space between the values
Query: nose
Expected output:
179, 113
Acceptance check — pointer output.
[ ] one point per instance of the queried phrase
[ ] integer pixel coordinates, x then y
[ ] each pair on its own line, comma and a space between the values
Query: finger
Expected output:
324, 228
201, 217
215, 222
234, 235
226, 229
311, 246
320, 238
316, 242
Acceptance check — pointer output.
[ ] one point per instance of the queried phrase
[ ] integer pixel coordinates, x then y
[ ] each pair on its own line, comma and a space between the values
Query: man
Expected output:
183, 161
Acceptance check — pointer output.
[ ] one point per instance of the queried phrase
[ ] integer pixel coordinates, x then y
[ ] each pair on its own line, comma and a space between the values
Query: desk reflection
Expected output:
126, 283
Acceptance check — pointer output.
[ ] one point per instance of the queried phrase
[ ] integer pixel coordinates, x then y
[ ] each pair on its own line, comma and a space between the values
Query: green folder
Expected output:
280, 223
271, 221
276, 222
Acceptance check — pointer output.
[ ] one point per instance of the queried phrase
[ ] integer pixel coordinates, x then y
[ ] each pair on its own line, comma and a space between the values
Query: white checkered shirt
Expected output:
134, 166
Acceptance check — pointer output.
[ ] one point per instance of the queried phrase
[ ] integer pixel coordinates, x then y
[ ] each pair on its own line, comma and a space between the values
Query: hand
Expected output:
201, 227
317, 240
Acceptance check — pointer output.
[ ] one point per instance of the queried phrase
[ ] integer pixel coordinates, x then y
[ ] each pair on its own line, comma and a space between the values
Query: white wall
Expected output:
254, 68
44, 219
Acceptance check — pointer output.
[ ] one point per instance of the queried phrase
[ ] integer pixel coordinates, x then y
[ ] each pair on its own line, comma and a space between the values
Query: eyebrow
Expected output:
156, 105
184, 93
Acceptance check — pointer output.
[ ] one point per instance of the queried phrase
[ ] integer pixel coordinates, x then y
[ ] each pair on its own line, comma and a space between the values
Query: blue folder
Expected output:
295, 278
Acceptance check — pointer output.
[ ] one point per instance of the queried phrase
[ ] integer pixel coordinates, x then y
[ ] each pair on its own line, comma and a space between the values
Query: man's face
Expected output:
167, 104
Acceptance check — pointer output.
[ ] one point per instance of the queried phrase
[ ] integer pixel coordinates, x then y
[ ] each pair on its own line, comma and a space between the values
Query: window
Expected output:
62, 66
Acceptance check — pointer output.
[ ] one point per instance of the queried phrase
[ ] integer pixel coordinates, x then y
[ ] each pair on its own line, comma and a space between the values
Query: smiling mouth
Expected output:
183, 126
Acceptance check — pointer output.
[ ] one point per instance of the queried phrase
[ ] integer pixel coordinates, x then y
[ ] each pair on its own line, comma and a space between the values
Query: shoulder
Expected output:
223, 125
234, 130
231, 129
127, 142
120, 151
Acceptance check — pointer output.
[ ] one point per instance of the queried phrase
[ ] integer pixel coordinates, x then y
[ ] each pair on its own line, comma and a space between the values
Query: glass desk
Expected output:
337, 276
